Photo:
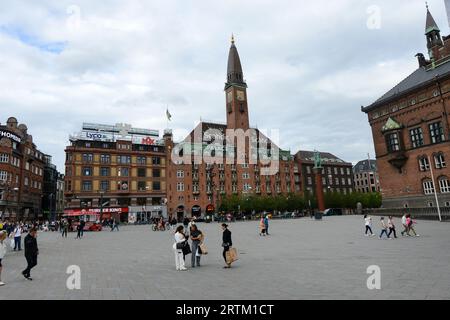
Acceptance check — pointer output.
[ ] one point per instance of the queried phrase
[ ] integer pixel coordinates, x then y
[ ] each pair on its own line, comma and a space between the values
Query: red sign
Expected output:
148, 141
93, 211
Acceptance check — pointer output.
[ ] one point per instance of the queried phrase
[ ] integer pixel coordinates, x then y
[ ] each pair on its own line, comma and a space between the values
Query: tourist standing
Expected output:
262, 227
383, 228
180, 240
31, 252
391, 226
226, 243
266, 224
3, 237
196, 237
79, 230
64, 228
18, 230
368, 224
114, 225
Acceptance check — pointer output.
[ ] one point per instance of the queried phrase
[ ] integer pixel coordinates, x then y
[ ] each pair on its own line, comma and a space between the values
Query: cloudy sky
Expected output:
309, 65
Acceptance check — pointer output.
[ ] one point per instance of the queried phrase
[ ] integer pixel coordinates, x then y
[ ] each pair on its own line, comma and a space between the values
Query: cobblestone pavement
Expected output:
301, 259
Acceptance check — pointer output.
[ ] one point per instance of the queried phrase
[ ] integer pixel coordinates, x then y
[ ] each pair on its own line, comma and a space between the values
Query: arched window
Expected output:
439, 160
424, 164
444, 184
428, 186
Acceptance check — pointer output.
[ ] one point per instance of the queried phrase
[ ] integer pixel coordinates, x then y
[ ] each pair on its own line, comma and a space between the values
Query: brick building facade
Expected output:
410, 127
117, 169
21, 173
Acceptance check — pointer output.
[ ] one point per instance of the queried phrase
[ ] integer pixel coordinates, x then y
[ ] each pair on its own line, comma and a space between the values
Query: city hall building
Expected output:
116, 169
21, 173
410, 128
200, 176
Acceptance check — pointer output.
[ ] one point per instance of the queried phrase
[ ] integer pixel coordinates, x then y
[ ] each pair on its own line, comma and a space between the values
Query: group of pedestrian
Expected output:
30, 246
197, 248
389, 229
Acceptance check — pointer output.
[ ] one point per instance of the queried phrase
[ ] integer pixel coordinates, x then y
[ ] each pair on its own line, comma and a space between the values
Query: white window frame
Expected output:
180, 186
424, 164
428, 187
439, 161
444, 185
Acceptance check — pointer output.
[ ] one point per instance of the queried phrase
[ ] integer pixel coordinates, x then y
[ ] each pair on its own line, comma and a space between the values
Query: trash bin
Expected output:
318, 215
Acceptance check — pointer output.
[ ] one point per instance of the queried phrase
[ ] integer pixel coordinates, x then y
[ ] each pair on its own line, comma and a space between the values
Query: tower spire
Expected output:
431, 24
234, 69
433, 34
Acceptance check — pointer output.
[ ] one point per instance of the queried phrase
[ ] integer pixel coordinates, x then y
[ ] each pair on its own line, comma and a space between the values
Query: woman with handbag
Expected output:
226, 243
180, 243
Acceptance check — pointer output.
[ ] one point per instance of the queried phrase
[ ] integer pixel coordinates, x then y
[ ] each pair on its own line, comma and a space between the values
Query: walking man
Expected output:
31, 252
405, 226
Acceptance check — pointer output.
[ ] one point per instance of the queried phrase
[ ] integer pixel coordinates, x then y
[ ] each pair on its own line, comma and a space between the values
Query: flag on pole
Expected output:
168, 115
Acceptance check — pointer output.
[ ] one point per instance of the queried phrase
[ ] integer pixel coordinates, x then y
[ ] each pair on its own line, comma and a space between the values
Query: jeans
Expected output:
267, 229
32, 262
392, 230
17, 242
194, 258
368, 228
385, 232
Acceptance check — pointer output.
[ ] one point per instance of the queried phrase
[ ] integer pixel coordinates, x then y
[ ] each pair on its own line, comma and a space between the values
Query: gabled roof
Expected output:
391, 124
327, 158
419, 78
364, 166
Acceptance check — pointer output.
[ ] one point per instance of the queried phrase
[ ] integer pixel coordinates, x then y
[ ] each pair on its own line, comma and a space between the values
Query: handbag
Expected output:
180, 245
187, 249
203, 249
231, 255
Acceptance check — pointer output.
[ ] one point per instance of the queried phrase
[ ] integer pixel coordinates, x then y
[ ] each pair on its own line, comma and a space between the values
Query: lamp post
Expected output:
434, 187
101, 205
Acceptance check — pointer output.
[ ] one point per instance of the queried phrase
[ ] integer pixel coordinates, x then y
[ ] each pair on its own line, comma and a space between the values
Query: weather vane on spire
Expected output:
232, 38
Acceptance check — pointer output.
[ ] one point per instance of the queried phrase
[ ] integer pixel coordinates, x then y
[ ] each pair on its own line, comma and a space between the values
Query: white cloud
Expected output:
309, 65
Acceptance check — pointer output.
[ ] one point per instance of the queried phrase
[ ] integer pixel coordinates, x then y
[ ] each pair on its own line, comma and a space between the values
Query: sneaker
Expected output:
2, 283
417, 235
183, 269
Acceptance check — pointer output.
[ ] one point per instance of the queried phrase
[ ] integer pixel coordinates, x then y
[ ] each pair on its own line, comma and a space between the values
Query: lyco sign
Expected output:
12, 136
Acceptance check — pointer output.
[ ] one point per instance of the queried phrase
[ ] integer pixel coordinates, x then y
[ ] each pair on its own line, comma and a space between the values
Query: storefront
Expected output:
120, 213
143, 214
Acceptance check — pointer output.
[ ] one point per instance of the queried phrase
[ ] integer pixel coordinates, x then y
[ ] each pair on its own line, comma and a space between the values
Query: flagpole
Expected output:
434, 187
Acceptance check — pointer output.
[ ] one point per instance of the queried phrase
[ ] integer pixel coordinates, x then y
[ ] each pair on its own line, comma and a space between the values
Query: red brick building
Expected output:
21, 173
410, 127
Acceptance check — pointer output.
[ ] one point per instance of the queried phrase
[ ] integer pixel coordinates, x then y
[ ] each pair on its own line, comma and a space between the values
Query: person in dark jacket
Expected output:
226, 243
31, 252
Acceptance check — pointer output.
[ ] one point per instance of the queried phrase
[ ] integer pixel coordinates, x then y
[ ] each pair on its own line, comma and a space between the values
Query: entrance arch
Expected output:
180, 212
196, 211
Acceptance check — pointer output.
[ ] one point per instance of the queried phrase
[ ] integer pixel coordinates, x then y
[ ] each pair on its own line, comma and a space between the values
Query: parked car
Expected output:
333, 212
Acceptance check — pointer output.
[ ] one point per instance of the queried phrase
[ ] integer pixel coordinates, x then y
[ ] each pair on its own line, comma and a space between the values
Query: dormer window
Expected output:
393, 142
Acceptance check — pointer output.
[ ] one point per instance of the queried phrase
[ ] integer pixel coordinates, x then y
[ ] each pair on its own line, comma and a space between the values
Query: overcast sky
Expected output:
309, 65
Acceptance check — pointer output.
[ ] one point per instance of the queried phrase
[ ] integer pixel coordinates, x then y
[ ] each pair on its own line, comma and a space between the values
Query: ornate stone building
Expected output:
21, 173
410, 127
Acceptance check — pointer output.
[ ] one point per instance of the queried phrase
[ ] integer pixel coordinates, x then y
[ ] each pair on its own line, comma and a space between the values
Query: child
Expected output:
262, 227
368, 224
410, 222
383, 228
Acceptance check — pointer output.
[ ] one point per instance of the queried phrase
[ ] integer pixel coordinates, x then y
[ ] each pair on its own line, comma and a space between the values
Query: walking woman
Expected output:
383, 228
368, 224
64, 228
391, 226
410, 223
180, 240
196, 237
3, 236
226, 243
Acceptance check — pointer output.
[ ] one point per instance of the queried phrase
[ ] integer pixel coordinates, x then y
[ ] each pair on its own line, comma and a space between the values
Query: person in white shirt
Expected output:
368, 224
18, 237
3, 236
405, 226
179, 257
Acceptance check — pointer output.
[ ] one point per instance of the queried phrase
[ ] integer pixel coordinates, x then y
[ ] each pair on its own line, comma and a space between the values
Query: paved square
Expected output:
301, 259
